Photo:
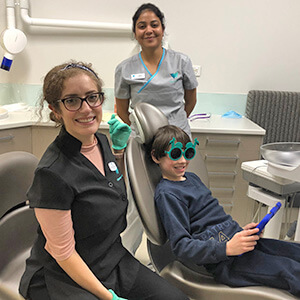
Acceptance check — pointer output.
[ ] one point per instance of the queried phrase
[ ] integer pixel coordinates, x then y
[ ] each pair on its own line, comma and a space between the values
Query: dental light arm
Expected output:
13, 42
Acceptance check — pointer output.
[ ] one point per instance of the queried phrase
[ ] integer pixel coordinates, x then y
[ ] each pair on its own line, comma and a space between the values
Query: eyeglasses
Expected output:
75, 103
176, 150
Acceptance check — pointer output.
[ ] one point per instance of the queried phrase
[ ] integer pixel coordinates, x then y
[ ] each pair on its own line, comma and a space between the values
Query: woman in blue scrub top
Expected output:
80, 201
159, 76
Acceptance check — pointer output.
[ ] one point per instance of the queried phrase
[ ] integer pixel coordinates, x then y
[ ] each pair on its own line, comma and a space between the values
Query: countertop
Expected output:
215, 124
218, 124
29, 117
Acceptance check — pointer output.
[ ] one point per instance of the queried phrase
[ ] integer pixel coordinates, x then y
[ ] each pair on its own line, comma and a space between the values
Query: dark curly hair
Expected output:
54, 84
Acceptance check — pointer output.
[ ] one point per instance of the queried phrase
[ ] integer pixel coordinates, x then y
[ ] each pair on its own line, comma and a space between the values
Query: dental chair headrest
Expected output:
146, 120
143, 173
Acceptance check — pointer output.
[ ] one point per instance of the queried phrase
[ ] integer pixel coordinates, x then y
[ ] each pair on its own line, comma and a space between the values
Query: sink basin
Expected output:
287, 154
3, 113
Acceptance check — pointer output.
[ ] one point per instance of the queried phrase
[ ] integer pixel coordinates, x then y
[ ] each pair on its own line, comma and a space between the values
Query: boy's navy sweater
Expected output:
196, 225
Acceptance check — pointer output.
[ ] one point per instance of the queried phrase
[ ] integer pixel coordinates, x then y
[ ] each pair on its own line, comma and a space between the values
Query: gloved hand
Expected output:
119, 133
115, 297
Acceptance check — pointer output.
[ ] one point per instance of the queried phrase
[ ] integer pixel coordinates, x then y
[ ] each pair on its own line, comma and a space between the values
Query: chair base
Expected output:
7, 294
198, 286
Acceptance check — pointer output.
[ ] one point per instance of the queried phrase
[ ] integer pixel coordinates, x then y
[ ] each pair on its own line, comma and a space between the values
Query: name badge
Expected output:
138, 76
112, 166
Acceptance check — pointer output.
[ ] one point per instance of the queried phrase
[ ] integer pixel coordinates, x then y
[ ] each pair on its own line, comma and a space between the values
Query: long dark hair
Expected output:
151, 7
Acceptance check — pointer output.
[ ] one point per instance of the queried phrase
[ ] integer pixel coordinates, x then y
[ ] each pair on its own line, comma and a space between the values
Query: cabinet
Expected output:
42, 137
224, 145
223, 155
15, 139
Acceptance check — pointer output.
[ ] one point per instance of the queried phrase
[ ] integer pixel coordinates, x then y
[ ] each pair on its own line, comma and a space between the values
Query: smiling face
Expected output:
84, 123
148, 30
171, 169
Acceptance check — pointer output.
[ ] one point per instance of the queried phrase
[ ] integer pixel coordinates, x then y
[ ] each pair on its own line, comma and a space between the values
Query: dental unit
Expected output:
13, 40
275, 179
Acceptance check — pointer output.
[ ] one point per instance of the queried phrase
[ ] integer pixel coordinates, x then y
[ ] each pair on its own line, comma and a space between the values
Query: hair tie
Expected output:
73, 65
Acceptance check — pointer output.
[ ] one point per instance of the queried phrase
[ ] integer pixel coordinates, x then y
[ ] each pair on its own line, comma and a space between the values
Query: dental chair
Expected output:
18, 225
6, 294
143, 175
16, 175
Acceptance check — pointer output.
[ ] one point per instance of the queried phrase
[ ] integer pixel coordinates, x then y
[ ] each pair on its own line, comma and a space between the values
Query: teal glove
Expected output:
119, 133
115, 297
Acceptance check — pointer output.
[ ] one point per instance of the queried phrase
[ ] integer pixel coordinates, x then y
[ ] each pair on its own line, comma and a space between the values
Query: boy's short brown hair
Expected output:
162, 138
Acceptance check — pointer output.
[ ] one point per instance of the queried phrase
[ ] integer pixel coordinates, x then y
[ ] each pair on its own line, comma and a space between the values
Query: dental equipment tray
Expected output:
255, 172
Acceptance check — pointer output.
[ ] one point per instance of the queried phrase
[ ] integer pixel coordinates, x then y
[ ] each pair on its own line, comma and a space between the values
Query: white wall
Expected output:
240, 44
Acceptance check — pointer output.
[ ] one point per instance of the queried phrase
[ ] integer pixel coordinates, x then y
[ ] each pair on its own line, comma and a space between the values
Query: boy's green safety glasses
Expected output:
176, 150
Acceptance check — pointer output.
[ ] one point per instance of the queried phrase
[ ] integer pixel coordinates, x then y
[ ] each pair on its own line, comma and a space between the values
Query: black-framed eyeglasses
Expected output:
75, 103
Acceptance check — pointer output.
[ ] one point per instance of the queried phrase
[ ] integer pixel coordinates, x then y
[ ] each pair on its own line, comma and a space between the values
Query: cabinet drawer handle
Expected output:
232, 189
222, 173
214, 141
230, 205
235, 157
7, 138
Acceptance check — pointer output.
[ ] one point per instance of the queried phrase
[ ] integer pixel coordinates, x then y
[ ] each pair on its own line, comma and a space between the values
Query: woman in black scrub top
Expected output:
79, 197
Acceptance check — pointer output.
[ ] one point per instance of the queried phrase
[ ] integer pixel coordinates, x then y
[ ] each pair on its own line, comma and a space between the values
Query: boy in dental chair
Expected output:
201, 232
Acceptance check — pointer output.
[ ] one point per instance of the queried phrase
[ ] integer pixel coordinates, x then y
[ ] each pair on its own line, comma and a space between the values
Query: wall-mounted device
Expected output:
13, 42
